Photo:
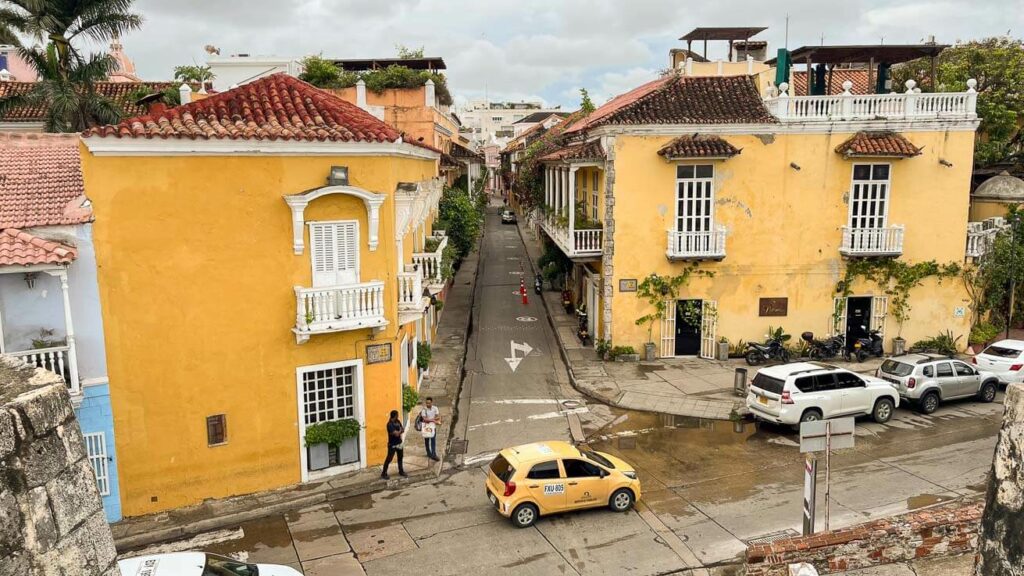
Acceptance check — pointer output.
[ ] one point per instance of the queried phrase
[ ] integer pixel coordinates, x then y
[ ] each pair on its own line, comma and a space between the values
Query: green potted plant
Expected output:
423, 356
321, 436
410, 398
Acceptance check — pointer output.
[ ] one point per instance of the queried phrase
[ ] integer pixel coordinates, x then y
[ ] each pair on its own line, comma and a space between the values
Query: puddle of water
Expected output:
922, 500
360, 502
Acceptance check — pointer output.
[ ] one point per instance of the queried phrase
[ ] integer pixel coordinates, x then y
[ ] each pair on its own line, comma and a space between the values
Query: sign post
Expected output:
822, 436
810, 490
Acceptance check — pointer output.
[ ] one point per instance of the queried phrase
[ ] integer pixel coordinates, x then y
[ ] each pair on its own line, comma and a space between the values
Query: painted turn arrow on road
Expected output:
514, 361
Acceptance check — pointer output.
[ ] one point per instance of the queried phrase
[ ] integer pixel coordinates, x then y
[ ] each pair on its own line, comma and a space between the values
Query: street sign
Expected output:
819, 435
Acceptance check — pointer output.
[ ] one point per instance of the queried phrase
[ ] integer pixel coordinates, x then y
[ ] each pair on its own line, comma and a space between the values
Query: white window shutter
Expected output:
335, 253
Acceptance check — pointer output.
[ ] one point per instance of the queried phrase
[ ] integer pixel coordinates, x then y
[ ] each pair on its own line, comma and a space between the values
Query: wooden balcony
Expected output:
696, 245
338, 308
886, 241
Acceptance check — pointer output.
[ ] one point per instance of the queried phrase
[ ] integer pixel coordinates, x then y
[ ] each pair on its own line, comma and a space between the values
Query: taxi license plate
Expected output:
494, 499
763, 400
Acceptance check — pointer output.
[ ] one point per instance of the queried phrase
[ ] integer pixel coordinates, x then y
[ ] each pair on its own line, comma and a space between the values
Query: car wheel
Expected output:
812, 415
988, 392
929, 403
882, 412
524, 515
621, 500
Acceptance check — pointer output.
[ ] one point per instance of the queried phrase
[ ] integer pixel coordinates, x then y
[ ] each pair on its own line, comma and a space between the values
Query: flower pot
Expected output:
348, 451
318, 456
899, 346
627, 358
650, 352
723, 350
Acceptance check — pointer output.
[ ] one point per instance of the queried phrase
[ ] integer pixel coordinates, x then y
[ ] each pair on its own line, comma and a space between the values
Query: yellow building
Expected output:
774, 197
266, 260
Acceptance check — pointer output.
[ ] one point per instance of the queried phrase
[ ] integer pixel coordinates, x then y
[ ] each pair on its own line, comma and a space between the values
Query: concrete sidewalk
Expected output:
448, 351
680, 386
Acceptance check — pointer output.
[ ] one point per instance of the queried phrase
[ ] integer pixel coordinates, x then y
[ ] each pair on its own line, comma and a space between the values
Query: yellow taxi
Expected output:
533, 480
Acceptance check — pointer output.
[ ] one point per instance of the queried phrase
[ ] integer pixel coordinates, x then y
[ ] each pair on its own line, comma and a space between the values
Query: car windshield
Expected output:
897, 368
1001, 352
501, 468
767, 383
595, 457
220, 566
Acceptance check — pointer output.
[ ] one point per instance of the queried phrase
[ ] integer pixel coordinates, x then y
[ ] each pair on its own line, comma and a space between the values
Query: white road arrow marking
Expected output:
514, 361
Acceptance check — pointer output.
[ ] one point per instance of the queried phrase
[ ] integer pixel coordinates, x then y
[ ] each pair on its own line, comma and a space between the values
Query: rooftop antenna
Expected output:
822, 39
787, 32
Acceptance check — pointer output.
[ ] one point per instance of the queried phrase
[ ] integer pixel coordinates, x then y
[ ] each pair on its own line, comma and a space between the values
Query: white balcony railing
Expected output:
910, 105
56, 359
697, 245
410, 289
982, 235
576, 243
339, 308
430, 262
886, 241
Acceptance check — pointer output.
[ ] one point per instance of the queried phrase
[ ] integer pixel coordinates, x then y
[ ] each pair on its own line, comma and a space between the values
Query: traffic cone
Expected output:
522, 290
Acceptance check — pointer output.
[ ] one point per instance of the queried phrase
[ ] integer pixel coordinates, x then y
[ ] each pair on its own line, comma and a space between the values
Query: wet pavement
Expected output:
710, 486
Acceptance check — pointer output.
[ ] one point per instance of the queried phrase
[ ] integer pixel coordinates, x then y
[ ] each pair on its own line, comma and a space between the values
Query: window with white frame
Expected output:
96, 450
328, 394
581, 189
334, 252
593, 196
869, 196
695, 198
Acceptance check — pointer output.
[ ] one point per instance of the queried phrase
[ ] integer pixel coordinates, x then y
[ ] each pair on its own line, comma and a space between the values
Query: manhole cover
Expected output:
526, 319
570, 404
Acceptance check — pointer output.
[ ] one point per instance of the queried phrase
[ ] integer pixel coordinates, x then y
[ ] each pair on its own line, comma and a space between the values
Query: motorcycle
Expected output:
772, 349
538, 283
870, 345
825, 349
582, 332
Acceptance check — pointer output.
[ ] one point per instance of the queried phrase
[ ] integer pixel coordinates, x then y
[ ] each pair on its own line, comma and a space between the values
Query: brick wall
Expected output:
947, 530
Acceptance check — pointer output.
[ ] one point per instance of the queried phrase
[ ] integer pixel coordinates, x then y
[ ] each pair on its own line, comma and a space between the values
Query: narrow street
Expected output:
710, 487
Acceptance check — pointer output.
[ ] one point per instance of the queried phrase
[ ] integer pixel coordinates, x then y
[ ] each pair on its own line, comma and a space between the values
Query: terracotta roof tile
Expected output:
586, 152
878, 144
683, 100
41, 181
698, 146
21, 248
276, 107
859, 77
119, 92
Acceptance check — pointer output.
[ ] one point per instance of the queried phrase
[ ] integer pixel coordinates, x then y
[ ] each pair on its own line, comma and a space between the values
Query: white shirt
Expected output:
429, 413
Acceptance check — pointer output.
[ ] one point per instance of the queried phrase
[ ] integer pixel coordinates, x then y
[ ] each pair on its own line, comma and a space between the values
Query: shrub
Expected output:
737, 349
422, 355
943, 343
620, 351
603, 347
334, 432
984, 332
410, 398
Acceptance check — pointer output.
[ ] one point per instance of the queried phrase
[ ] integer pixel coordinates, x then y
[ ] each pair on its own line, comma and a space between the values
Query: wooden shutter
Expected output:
708, 327
335, 253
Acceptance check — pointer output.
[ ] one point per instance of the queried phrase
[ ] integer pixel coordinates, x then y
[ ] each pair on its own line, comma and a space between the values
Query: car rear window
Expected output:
597, 458
1001, 351
897, 368
768, 384
501, 468
544, 471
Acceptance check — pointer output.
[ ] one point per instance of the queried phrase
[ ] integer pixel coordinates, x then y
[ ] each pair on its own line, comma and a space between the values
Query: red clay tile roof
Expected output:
878, 144
119, 92
41, 181
276, 107
24, 249
859, 77
589, 151
683, 100
698, 146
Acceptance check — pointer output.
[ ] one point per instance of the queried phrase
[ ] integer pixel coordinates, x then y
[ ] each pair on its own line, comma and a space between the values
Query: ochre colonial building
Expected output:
772, 196
266, 262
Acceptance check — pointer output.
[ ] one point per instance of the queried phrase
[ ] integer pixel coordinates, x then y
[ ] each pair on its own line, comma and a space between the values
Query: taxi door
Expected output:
585, 485
546, 486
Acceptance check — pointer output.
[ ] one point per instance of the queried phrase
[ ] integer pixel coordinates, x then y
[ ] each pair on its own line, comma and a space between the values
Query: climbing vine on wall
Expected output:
659, 290
896, 279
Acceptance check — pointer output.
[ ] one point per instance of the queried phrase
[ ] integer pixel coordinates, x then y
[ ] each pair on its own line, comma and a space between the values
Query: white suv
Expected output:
808, 391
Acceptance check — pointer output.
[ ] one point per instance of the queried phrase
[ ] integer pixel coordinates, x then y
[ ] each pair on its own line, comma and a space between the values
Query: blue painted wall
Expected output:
94, 415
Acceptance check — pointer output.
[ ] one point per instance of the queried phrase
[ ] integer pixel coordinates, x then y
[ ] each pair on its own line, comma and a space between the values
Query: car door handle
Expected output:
573, 483
534, 486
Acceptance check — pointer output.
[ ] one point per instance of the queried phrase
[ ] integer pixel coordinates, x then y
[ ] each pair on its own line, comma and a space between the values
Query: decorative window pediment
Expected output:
298, 203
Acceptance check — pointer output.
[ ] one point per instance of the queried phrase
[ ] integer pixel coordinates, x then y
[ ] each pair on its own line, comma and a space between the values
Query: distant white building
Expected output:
239, 69
485, 121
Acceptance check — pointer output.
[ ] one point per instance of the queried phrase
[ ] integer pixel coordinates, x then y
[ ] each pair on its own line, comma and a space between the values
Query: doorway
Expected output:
688, 324
858, 314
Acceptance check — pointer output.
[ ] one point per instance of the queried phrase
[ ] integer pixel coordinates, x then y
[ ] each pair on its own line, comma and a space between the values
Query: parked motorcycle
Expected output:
870, 345
772, 349
582, 332
825, 349
538, 283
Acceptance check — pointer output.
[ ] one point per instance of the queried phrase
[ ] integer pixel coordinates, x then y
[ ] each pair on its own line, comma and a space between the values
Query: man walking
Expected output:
395, 445
430, 418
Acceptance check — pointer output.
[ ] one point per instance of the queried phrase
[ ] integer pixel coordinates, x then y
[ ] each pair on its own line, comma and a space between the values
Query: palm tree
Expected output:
69, 96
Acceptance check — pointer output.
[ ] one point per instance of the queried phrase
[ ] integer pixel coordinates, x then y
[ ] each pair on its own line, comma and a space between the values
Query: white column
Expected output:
429, 100
361, 94
572, 203
185, 93
69, 330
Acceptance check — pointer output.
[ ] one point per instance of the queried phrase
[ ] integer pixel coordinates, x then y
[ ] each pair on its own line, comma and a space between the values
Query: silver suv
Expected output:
930, 379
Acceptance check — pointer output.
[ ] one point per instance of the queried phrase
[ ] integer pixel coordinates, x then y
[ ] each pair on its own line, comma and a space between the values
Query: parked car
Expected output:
930, 379
508, 217
528, 481
809, 391
197, 564
1004, 359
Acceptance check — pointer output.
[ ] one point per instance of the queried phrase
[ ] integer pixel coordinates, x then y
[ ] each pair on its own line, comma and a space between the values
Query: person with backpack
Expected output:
426, 423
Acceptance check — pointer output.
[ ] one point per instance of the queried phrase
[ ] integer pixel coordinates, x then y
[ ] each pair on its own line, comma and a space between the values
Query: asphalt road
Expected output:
710, 487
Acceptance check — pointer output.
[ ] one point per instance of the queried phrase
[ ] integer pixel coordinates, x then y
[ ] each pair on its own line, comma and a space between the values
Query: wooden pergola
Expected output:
730, 34
871, 54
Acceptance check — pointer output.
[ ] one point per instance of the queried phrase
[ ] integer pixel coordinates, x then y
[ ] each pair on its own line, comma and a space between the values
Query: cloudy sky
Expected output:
537, 49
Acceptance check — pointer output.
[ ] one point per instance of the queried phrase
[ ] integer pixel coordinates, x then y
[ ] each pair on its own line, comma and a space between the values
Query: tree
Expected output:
321, 72
1001, 268
459, 217
193, 74
586, 104
998, 66
407, 54
68, 95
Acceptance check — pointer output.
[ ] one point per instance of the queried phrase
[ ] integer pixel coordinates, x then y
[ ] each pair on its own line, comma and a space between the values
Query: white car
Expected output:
197, 564
808, 391
1004, 359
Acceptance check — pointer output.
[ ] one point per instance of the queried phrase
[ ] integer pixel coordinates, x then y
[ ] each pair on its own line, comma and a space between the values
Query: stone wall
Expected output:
51, 516
941, 531
1001, 549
